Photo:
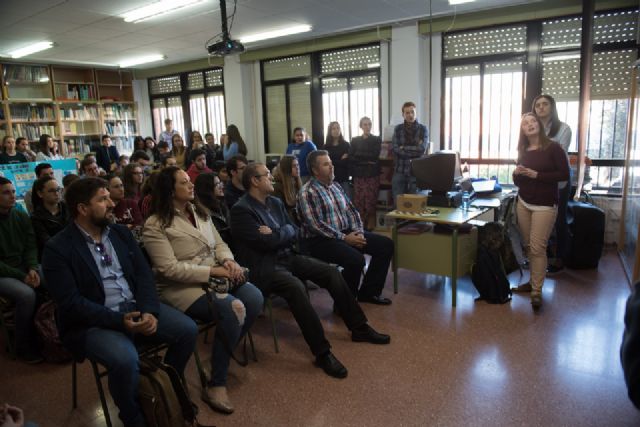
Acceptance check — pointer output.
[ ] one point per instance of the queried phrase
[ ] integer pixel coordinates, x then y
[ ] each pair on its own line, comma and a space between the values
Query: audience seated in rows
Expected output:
126, 211
42, 169
233, 190
19, 276
132, 179
106, 296
107, 155
287, 185
208, 188
265, 241
334, 232
186, 251
49, 211
198, 159
9, 152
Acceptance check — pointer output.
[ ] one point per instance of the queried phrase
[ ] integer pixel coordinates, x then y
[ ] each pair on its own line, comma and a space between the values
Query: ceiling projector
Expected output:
225, 47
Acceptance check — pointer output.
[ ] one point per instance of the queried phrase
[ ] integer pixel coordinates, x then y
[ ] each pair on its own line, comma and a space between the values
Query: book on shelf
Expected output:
120, 128
32, 132
75, 92
32, 112
79, 145
82, 113
118, 112
26, 74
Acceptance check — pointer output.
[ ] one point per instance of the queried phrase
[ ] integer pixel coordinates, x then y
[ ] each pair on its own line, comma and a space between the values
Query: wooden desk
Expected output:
434, 253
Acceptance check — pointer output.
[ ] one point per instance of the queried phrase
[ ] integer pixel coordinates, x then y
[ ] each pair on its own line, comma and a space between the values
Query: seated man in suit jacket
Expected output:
265, 236
106, 296
107, 155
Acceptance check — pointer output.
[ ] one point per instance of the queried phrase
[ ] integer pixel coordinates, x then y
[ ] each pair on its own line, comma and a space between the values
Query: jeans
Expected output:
351, 259
24, 297
402, 184
117, 351
535, 228
234, 324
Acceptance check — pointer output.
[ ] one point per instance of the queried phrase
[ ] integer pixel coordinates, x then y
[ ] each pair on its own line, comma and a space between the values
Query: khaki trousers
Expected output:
535, 227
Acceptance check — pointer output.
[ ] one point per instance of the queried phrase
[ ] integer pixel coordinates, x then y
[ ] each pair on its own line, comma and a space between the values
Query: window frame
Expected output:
317, 114
185, 95
532, 78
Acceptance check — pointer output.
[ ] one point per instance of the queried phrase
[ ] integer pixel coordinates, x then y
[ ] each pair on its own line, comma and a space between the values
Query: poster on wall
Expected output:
23, 174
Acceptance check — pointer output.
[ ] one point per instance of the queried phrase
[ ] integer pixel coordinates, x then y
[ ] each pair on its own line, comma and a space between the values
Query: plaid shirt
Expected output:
326, 211
405, 151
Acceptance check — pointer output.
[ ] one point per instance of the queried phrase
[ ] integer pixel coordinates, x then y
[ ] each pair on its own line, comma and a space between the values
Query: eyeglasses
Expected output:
55, 190
262, 174
105, 258
138, 173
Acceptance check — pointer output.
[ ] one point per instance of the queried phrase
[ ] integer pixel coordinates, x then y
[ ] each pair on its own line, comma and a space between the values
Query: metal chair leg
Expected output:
201, 373
74, 385
253, 348
103, 399
269, 308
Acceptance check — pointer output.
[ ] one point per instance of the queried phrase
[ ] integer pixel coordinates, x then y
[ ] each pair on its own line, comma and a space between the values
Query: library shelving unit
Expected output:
119, 118
29, 108
74, 105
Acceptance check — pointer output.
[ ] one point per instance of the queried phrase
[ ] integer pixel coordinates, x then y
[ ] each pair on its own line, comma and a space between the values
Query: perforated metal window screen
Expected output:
561, 76
334, 84
213, 78
286, 68
165, 85
610, 27
195, 80
503, 67
365, 82
485, 42
463, 70
611, 78
359, 58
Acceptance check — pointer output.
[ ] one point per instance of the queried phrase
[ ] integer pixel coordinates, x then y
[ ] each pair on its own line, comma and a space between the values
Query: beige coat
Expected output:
182, 256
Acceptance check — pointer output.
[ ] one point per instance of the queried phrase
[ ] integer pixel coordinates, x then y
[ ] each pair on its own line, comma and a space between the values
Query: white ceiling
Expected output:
91, 31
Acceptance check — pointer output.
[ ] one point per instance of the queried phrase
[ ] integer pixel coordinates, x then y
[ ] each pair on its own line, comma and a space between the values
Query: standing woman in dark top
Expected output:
542, 163
287, 185
544, 106
338, 150
364, 157
210, 192
49, 211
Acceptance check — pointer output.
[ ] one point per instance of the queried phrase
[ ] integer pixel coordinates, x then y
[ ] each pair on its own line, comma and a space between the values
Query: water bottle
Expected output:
465, 201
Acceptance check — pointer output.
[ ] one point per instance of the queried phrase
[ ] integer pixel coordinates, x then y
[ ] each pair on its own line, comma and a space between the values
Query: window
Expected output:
484, 88
349, 89
194, 101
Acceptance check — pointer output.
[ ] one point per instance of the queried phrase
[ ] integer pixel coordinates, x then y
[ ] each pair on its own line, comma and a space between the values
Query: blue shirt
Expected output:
116, 287
229, 150
301, 151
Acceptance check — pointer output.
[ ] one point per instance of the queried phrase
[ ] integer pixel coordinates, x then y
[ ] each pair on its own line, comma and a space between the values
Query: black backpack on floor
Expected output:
488, 274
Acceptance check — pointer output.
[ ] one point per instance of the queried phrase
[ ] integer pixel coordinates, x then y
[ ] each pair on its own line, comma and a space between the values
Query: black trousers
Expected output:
352, 261
287, 282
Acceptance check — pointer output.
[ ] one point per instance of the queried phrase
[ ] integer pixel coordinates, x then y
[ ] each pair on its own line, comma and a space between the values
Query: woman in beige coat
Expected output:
186, 250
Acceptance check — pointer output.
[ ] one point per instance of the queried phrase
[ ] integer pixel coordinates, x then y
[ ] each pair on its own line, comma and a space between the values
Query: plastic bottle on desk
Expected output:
466, 201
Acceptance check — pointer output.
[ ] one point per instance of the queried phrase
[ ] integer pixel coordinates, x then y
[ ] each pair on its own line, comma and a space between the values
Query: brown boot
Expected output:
217, 399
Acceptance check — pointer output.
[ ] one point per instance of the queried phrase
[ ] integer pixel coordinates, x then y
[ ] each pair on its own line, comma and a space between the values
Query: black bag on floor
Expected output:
489, 273
45, 323
586, 224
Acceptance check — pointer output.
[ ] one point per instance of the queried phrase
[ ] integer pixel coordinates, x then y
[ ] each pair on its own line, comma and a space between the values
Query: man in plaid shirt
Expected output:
333, 232
410, 141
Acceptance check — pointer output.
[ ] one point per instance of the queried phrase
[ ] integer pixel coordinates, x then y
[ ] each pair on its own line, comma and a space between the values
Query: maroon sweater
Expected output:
552, 166
126, 212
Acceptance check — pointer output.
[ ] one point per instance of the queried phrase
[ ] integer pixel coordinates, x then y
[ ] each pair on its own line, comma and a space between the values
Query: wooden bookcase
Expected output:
75, 105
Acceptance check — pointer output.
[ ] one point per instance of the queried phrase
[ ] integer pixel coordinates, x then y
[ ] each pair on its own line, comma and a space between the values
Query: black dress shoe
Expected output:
377, 299
366, 333
331, 365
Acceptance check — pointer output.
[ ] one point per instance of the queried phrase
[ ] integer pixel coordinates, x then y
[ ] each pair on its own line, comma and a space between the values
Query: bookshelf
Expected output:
72, 104
73, 84
79, 126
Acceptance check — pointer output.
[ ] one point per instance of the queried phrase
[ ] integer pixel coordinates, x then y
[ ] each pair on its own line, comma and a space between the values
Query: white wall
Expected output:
141, 96
241, 98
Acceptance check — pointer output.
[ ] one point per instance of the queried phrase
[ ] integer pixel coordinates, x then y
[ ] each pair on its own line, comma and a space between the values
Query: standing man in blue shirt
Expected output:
106, 296
410, 141
301, 147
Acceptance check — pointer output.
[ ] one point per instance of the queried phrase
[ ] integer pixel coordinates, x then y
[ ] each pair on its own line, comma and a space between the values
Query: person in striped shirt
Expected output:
334, 232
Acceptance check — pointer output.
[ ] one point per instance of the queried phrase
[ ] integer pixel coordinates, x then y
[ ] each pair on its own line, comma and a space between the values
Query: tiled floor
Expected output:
476, 365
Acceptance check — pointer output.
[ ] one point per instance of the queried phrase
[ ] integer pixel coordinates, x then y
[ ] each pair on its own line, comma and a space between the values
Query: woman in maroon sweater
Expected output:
542, 163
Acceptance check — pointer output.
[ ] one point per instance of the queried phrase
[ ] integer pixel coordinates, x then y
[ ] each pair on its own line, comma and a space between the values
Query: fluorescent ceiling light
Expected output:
156, 9
276, 33
28, 50
454, 2
141, 60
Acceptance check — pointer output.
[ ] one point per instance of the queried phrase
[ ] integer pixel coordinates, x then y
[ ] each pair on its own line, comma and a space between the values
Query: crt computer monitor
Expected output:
437, 172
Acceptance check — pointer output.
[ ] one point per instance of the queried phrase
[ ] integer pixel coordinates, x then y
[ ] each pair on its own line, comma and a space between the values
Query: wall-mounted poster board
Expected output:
23, 174
630, 223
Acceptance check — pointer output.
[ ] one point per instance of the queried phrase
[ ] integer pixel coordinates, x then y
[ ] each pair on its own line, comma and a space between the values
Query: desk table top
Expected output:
450, 216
